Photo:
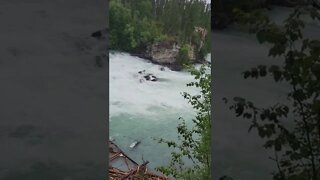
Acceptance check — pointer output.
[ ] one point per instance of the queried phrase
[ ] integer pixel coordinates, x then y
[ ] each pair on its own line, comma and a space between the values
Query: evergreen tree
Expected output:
137, 24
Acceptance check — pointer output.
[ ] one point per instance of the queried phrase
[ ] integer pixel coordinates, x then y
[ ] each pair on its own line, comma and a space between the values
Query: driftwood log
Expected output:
132, 170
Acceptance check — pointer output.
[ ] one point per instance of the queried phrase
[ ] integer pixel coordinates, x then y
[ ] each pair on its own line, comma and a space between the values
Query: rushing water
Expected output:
151, 109
146, 110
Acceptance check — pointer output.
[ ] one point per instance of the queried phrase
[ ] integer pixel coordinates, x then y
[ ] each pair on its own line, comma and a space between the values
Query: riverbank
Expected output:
173, 64
160, 32
164, 54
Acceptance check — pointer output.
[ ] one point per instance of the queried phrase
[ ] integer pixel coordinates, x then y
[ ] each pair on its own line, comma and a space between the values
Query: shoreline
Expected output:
172, 66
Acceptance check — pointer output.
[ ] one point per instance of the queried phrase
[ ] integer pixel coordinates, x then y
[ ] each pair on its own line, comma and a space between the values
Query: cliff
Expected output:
164, 53
167, 52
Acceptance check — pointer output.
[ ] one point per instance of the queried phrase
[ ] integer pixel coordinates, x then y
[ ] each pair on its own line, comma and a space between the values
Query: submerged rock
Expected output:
142, 72
148, 77
141, 80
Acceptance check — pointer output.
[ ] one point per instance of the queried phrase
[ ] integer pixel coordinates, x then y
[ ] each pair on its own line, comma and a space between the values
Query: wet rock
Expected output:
150, 77
162, 68
147, 77
142, 72
141, 80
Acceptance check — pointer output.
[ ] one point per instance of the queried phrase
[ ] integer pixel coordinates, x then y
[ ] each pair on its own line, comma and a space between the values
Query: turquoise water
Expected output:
146, 110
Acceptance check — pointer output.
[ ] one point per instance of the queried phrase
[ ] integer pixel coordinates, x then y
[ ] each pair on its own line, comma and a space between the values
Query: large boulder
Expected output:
167, 52
163, 52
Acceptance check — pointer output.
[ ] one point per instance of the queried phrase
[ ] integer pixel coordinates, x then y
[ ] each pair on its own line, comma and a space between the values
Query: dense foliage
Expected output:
194, 143
291, 130
183, 57
136, 24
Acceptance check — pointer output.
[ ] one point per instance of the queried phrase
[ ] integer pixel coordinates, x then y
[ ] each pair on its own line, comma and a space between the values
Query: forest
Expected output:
134, 25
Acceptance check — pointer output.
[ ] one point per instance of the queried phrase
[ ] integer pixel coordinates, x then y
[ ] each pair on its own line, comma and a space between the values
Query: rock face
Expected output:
192, 54
164, 52
167, 52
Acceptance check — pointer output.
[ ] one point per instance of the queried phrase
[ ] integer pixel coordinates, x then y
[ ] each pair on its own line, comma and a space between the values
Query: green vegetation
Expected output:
136, 24
194, 143
130, 29
183, 57
291, 130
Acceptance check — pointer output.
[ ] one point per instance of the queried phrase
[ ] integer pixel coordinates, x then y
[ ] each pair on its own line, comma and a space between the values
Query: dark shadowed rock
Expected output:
142, 72
162, 68
150, 77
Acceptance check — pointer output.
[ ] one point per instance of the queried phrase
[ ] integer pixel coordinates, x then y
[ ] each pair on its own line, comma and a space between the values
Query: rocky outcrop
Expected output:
165, 53
192, 54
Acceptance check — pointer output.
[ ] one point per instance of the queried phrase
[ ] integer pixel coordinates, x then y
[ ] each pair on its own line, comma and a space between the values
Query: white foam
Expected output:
130, 96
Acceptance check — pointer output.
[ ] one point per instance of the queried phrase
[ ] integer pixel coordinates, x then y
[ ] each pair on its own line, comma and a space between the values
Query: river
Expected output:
141, 111
146, 110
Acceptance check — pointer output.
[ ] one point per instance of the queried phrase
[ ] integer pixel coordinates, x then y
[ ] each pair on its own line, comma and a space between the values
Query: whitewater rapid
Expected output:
146, 110
130, 96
